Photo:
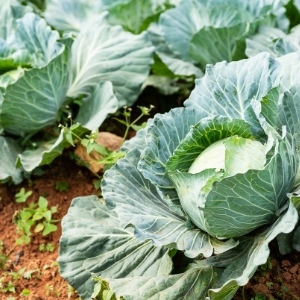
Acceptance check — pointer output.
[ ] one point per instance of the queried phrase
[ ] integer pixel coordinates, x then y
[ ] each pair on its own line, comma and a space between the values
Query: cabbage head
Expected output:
190, 210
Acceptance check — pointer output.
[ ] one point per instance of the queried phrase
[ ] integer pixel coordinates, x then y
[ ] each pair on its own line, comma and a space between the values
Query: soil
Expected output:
45, 281
279, 280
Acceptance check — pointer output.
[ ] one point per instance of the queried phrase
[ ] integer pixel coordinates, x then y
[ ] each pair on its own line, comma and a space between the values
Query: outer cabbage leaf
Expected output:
217, 44
296, 239
34, 100
30, 43
228, 88
136, 15
91, 115
107, 53
10, 77
274, 41
137, 202
69, 15
43, 155
191, 285
10, 57
291, 76
241, 262
9, 150
38, 39
171, 61
7, 20
95, 109
289, 113
163, 137
92, 242
47, 150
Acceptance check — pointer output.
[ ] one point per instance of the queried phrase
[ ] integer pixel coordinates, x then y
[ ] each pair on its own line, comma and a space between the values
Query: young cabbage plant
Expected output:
189, 212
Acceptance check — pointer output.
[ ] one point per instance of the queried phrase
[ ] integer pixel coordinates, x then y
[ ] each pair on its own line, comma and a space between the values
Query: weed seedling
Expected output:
28, 274
102, 290
3, 256
62, 186
25, 293
37, 215
9, 287
50, 290
47, 247
145, 111
108, 157
22, 196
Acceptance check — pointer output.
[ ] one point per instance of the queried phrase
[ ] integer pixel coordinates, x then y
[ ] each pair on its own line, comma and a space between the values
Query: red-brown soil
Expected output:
282, 281
48, 284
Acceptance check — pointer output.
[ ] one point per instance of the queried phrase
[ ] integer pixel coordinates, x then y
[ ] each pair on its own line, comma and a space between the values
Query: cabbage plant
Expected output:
42, 75
190, 210
211, 31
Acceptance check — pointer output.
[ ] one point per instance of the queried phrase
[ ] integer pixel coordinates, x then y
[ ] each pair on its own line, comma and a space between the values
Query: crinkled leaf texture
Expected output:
69, 15
137, 202
93, 241
108, 53
171, 61
228, 88
212, 31
256, 99
28, 41
33, 102
95, 109
135, 15
162, 138
274, 41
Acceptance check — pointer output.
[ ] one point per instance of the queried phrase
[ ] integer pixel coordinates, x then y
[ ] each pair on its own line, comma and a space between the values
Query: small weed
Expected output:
25, 293
3, 256
8, 287
50, 290
259, 297
102, 290
145, 111
265, 268
16, 275
37, 215
62, 186
72, 292
28, 274
269, 285
22, 196
47, 247
52, 265
108, 157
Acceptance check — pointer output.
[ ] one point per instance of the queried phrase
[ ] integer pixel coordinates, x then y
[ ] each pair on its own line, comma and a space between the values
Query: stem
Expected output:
127, 120
79, 138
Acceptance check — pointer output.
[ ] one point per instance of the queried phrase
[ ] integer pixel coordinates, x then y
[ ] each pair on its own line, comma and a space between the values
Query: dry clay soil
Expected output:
281, 281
